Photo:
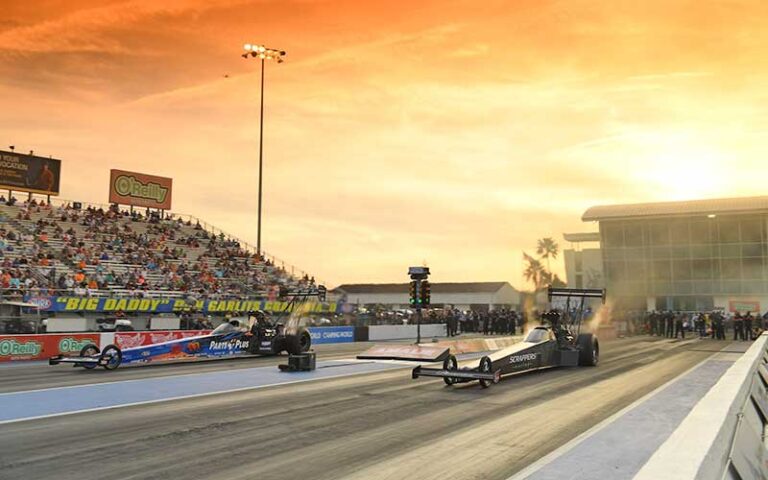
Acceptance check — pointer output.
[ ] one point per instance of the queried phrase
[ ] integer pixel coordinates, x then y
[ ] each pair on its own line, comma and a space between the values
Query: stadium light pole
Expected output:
263, 53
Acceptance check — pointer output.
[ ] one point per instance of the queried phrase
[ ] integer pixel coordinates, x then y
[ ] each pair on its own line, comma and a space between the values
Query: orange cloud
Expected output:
456, 133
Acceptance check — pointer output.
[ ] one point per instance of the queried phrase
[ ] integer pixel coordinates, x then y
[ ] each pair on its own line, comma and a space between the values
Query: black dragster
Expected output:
559, 344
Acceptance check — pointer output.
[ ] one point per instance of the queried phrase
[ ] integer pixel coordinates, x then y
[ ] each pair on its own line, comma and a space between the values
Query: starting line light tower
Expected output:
419, 293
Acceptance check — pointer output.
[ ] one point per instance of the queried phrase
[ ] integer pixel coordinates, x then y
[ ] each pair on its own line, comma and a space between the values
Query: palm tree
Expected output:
534, 271
547, 248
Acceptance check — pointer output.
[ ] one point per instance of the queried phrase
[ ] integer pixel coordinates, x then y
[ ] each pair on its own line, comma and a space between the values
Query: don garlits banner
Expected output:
140, 189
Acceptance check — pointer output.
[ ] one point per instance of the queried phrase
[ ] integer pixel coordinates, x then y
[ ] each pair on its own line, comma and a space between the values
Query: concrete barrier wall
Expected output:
399, 332
710, 436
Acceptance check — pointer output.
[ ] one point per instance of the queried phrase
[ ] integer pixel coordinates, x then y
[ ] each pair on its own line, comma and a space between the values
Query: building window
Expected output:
578, 261
633, 234
616, 271
613, 235
751, 230
701, 232
728, 231
659, 234
731, 268
681, 270
752, 268
678, 233
662, 270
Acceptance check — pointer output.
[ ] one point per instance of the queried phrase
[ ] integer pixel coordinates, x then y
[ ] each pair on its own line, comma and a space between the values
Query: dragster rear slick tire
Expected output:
113, 356
87, 351
450, 364
589, 350
299, 343
486, 366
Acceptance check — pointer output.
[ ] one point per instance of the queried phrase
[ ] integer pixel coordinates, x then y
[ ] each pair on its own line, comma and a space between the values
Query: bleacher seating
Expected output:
97, 251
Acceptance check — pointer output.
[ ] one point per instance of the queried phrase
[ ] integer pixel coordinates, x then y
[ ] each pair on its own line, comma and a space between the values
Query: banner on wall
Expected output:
744, 306
332, 334
169, 305
41, 347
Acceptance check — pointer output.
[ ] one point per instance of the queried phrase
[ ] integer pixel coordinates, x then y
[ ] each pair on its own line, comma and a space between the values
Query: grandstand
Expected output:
104, 251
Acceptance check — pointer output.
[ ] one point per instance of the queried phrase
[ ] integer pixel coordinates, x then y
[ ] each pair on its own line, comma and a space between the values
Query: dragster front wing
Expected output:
420, 371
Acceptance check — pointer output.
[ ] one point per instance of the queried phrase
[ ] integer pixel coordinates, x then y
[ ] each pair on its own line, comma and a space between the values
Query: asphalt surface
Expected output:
37, 375
373, 426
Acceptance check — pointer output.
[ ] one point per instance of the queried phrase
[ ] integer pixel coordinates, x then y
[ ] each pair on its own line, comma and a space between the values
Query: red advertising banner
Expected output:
42, 347
744, 306
139, 339
140, 189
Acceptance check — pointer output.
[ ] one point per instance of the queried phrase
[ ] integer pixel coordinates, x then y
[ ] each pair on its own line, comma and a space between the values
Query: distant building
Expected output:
465, 296
583, 261
689, 255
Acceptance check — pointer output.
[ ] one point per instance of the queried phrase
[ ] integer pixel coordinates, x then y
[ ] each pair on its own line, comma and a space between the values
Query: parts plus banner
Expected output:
140, 189
170, 305
40, 347
332, 334
29, 173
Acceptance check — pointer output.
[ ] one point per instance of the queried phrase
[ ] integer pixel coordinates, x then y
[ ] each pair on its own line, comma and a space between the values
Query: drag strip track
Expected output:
37, 375
379, 425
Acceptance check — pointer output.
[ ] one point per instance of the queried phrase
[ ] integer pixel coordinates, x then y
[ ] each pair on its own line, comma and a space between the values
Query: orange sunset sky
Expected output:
451, 132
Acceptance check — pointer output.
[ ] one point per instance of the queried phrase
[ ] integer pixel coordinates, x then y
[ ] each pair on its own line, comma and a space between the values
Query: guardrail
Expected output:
724, 435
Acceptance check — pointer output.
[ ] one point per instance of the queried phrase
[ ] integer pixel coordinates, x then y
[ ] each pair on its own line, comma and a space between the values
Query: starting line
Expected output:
30, 405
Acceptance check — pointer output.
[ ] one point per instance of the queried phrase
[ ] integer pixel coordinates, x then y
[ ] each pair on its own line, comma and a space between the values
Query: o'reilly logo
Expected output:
10, 347
525, 357
129, 186
68, 344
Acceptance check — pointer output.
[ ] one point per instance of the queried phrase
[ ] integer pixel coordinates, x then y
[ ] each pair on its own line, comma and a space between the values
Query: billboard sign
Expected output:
140, 189
744, 306
40, 347
332, 334
28, 173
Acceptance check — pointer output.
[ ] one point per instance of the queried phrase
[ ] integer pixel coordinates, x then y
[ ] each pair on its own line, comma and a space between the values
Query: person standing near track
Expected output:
738, 327
748, 326
669, 320
720, 326
679, 325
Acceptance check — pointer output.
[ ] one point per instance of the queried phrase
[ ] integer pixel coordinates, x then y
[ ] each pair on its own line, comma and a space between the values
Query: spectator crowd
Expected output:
46, 249
715, 324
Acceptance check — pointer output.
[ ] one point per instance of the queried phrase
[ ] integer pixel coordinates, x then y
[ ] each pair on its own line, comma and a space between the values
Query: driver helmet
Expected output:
234, 322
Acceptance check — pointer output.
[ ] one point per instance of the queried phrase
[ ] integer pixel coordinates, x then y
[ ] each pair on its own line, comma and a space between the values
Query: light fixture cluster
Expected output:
262, 52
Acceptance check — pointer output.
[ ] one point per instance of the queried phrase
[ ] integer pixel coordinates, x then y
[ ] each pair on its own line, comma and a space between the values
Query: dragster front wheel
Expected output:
486, 366
450, 364
88, 351
111, 357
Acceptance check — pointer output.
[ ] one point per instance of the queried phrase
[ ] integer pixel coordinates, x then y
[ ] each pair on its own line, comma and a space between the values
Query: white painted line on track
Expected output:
552, 456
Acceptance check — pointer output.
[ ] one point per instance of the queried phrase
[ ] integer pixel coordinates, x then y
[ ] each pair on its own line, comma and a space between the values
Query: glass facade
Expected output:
685, 261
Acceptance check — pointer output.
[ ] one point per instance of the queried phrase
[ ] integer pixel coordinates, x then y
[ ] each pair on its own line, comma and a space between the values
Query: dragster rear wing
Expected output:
576, 293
